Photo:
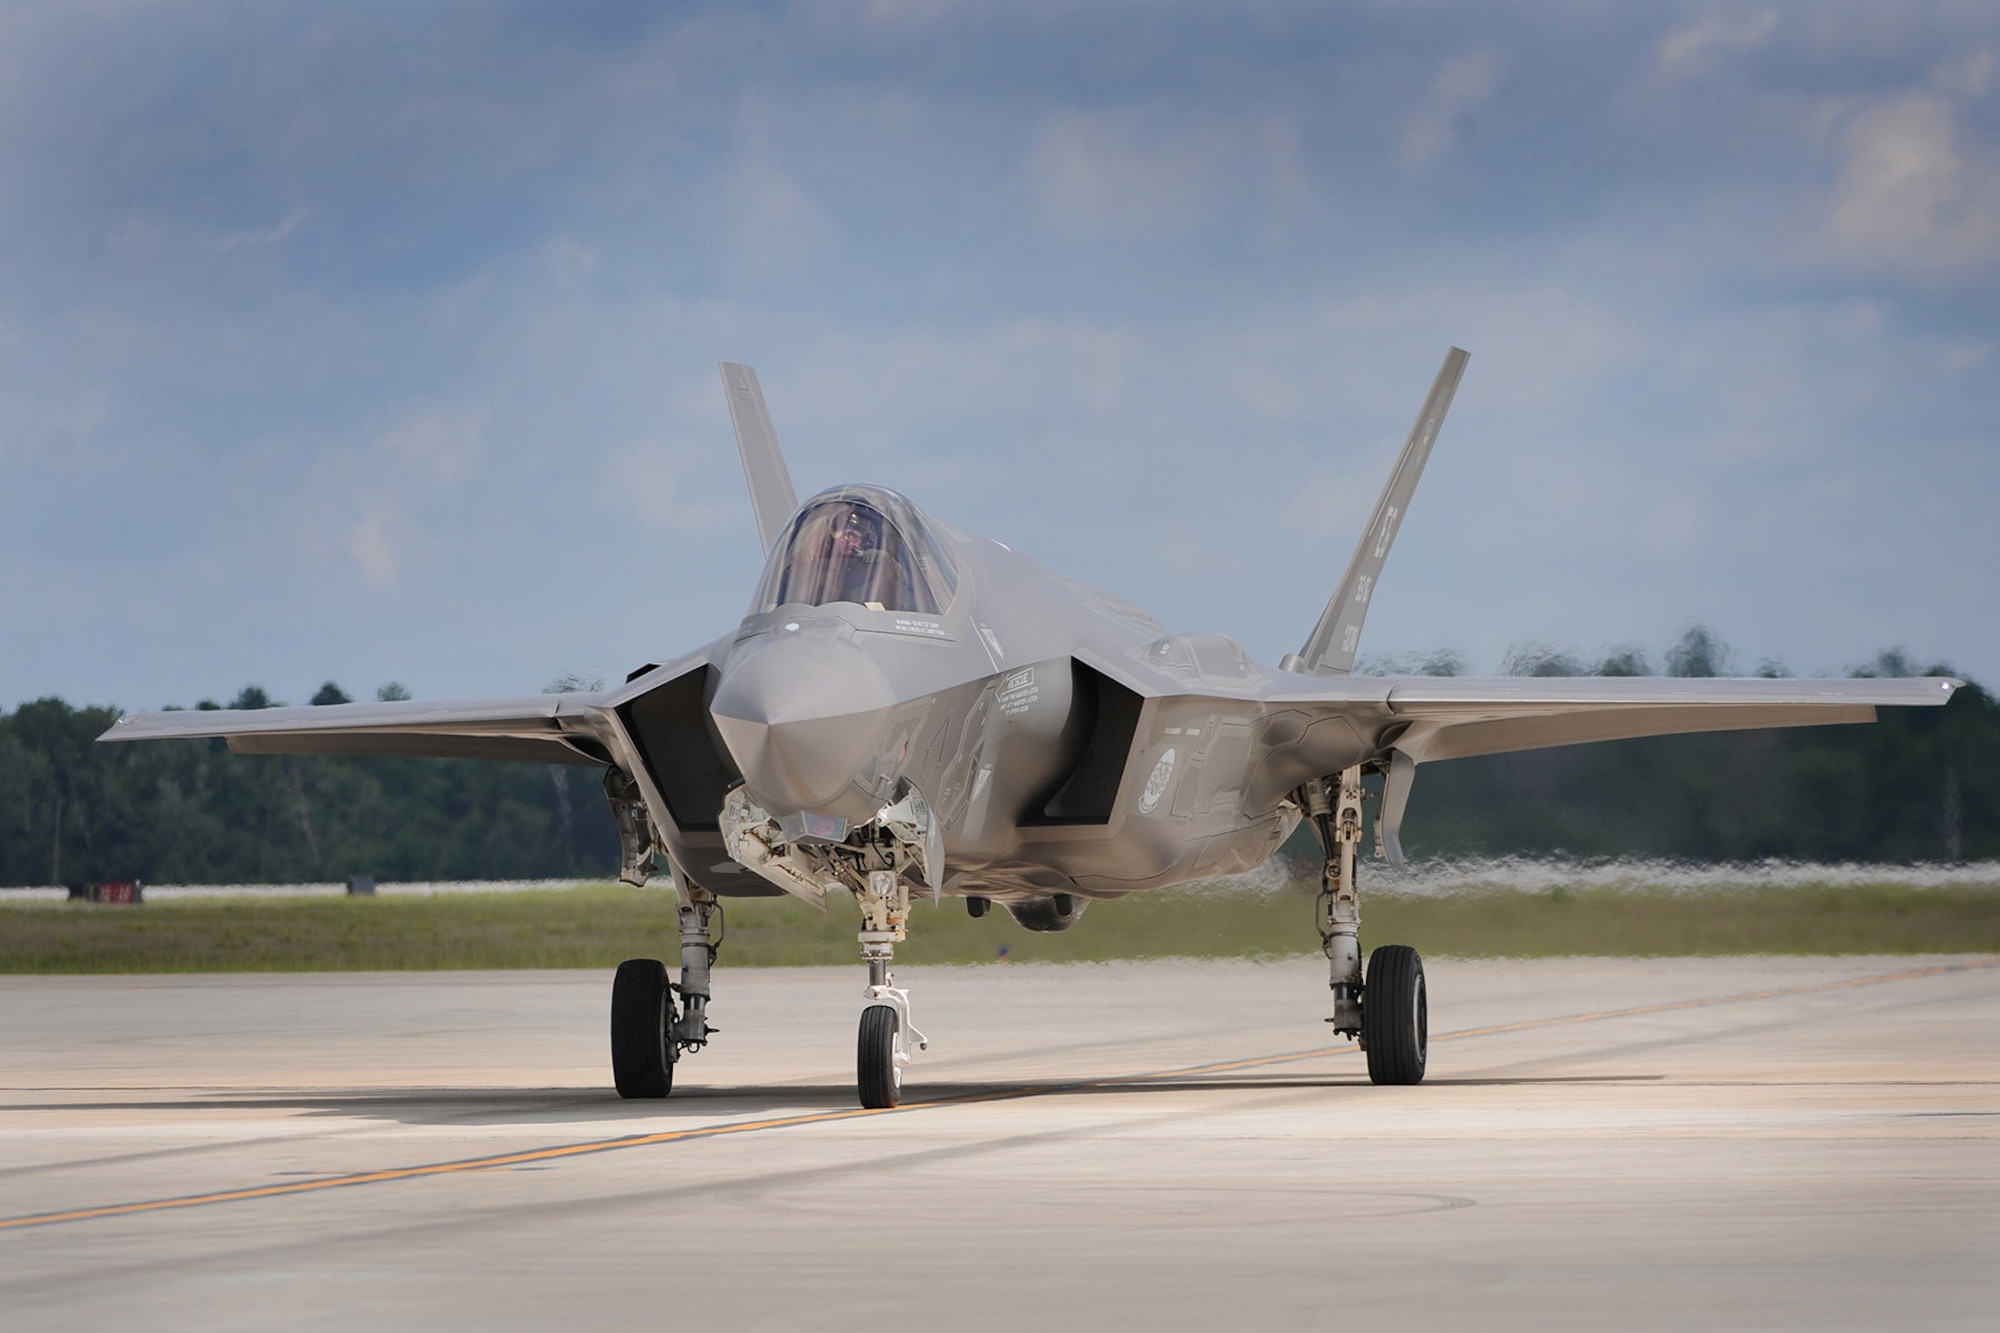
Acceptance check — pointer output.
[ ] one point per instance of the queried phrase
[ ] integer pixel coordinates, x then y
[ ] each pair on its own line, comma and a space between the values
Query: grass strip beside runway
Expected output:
597, 927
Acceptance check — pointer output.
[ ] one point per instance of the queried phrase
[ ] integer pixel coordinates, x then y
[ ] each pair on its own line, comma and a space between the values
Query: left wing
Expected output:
542, 729
1329, 651
1406, 721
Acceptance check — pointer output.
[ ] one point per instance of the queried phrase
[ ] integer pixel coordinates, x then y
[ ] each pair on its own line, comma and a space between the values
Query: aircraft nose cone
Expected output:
801, 714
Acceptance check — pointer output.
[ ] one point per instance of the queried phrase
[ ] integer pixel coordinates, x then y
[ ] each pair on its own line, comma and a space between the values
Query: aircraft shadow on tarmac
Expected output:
549, 1106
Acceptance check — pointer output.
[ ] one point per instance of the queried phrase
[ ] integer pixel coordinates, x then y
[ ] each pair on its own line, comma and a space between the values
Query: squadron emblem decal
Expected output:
1156, 785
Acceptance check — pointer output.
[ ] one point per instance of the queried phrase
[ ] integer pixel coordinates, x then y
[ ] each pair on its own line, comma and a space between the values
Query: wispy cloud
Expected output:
253, 239
1150, 170
1912, 191
1696, 49
1444, 119
438, 442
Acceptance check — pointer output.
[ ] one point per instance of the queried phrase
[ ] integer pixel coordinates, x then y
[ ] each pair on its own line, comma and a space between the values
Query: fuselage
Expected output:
1065, 742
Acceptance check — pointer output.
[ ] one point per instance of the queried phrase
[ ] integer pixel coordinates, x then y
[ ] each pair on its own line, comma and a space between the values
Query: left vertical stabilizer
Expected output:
1330, 650
771, 493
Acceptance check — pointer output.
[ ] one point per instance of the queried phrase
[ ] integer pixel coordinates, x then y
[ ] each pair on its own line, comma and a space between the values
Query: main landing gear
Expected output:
654, 1022
1389, 1011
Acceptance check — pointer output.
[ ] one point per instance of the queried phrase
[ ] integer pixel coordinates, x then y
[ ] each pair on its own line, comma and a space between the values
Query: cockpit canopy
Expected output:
861, 544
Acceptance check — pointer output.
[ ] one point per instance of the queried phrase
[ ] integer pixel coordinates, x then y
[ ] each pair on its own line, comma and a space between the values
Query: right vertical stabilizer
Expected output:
771, 493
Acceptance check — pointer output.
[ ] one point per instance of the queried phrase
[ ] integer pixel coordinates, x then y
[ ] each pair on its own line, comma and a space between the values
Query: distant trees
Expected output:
191, 812
1922, 784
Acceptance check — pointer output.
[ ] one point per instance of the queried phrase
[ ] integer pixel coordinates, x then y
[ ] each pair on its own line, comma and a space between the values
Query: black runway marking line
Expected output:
593, 1146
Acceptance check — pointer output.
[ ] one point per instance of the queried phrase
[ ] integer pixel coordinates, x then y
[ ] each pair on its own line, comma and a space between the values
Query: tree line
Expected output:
1923, 784
190, 812
1919, 785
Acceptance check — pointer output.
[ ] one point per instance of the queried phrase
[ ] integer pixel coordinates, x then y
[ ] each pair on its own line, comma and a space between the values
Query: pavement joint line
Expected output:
732, 1127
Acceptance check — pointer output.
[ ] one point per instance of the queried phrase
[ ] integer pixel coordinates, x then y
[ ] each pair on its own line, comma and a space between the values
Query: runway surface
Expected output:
1743, 1143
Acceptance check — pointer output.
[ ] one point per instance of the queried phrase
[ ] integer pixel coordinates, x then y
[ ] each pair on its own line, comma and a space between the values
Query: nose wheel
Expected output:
883, 1049
878, 1076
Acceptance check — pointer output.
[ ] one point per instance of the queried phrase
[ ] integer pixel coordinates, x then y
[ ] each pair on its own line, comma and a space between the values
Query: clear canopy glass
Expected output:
861, 544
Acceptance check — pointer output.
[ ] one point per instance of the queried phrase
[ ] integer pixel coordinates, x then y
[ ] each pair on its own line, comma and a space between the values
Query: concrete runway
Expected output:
1605, 1144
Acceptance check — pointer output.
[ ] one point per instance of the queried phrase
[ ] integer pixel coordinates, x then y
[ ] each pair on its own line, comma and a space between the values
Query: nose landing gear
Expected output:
883, 1049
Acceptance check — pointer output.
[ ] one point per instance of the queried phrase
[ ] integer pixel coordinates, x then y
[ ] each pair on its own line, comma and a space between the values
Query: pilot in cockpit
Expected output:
857, 553
840, 555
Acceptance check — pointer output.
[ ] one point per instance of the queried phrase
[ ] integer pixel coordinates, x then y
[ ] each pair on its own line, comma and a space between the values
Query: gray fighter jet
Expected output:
908, 710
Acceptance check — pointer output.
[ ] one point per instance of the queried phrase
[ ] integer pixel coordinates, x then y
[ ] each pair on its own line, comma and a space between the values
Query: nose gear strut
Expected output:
883, 1049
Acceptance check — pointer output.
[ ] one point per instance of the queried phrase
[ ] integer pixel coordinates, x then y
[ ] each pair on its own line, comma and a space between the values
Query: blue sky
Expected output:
378, 342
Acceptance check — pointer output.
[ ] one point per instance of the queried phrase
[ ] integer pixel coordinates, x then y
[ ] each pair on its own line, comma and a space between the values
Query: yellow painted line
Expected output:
856, 1113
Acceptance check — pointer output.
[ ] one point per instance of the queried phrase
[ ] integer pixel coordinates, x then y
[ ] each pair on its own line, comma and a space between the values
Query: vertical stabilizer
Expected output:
771, 493
1330, 650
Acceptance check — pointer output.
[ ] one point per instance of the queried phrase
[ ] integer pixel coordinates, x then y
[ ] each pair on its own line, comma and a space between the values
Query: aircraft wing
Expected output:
542, 728
1454, 718
1422, 719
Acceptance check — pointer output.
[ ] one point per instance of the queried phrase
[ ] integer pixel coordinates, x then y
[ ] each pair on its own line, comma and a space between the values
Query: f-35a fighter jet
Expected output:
908, 710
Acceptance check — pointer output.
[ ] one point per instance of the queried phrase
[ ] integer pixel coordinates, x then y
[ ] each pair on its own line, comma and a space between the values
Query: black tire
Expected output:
879, 1081
1395, 1015
642, 1018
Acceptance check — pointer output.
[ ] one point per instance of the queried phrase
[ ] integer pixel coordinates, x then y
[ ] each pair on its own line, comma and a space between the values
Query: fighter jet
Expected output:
907, 710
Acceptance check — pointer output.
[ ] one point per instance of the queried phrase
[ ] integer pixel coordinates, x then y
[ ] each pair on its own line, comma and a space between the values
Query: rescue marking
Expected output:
560, 1151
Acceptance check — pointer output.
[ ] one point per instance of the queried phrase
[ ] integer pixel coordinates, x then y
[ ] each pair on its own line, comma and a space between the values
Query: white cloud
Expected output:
934, 374
771, 223
1120, 171
775, 225
1965, 355
441, 442
1143, 171
648, 481
244, 240
375, 544
1697, 49
1968, 75
1898, 170
1443, 120
1910, 194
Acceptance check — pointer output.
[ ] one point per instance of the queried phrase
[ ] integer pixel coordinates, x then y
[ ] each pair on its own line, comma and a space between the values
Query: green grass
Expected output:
596, 927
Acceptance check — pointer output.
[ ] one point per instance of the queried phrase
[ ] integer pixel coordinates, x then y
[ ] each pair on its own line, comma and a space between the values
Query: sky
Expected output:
376, 342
